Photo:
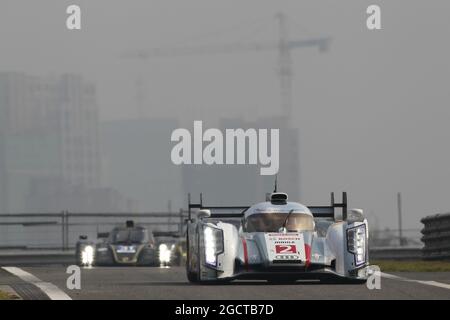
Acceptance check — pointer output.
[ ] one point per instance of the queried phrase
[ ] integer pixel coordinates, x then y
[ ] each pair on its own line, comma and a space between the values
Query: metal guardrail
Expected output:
436, 237
395, 253
61, 230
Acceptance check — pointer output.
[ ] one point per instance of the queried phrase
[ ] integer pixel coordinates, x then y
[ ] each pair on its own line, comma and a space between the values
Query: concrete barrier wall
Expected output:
17, 257
36, 257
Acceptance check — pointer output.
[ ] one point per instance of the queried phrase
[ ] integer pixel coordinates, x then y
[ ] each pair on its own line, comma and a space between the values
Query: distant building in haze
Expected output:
49, 144
136, 159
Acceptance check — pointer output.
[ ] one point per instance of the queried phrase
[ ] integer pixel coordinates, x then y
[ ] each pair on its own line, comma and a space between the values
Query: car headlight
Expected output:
356, 243
164, 253
213, 241
87, 255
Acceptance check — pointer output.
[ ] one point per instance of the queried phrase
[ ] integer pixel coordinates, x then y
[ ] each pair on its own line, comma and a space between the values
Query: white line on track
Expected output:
428, 283
52, 291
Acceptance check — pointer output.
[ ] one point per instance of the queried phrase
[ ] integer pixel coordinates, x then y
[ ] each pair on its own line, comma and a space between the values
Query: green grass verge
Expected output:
7, 296
412, 266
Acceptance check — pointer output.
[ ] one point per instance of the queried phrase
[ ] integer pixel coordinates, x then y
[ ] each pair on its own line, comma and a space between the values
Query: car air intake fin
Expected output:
278, 198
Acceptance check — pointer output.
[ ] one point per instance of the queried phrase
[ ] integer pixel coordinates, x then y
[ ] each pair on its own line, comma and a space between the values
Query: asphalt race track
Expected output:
171, 283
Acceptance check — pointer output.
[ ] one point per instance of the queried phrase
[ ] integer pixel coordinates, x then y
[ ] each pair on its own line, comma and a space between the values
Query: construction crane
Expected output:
284, 47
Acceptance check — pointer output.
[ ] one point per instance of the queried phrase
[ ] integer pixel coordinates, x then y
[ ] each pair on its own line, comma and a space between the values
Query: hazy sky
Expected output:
373, 110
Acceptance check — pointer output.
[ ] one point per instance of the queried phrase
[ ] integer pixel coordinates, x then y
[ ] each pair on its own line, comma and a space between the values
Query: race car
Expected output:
170, 248
277, 241
124, 245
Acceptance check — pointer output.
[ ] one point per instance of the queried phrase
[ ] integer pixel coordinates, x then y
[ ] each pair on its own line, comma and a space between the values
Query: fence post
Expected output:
180, 226
67, 230
63, 236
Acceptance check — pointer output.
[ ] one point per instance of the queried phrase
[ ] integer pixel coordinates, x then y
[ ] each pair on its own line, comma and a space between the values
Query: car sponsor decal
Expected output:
308, 255
286, 247
244, 245
126, 249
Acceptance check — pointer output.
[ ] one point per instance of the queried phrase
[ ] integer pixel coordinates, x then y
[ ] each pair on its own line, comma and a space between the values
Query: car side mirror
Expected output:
203, 214
355, 215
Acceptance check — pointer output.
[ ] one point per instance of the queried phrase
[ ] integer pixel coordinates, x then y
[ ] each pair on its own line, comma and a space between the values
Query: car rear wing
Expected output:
238, 211
168, 234
330, 211
217, 211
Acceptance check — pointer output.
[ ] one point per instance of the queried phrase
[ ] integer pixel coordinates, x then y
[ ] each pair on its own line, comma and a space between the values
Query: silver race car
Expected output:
277, 241
124, 245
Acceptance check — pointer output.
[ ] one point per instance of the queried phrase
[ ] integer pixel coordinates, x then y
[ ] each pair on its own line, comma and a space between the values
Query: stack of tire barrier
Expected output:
436, 237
